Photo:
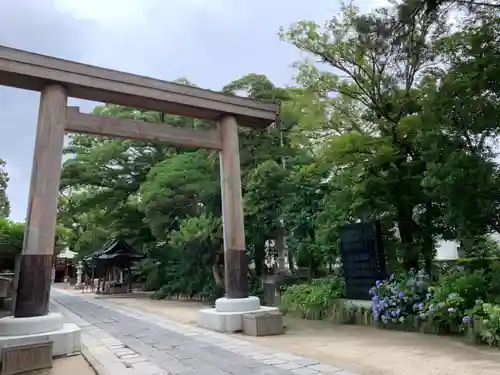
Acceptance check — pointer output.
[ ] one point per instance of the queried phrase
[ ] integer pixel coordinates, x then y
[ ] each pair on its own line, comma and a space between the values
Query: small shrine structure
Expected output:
110, 263
64, 267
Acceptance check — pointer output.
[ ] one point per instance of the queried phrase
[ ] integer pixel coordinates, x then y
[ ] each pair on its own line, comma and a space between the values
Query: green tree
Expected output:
371, 114
264, 200
12, 235
4, 200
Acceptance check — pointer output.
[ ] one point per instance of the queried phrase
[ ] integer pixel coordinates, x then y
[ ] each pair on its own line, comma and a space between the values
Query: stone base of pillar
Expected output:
66, 337
227, 316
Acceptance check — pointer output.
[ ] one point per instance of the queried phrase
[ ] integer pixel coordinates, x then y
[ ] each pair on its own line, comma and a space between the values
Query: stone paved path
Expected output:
131, 343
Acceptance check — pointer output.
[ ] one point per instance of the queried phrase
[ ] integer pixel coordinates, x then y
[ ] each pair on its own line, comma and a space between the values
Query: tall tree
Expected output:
4, 200
370, 116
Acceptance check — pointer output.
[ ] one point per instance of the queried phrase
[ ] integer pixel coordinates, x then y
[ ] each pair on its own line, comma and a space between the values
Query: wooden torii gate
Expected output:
59, 79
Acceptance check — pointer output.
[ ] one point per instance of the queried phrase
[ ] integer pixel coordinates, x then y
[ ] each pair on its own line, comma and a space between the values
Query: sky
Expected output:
209, 42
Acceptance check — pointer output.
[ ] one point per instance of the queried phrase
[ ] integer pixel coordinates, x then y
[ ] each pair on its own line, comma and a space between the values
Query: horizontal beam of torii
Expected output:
58, 79
77, 122
32, 71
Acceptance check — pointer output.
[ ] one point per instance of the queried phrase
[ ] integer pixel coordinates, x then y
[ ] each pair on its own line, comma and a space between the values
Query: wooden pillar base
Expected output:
236, 266
33, 287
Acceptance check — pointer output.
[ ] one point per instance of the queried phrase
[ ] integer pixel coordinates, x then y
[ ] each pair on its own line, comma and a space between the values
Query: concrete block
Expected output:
66, 340
226, 321
10, 326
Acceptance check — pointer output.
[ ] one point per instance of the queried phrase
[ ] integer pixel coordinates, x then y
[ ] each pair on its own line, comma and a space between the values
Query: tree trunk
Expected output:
312, 267
428, 253
280, 248
406, 233
427, 240
259, 257
219, 281
291, 264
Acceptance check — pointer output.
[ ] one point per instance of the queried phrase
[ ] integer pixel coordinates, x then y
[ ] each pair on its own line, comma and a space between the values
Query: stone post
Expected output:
79, 273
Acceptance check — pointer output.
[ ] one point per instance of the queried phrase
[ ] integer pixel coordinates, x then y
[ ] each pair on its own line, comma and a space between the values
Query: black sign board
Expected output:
363, 258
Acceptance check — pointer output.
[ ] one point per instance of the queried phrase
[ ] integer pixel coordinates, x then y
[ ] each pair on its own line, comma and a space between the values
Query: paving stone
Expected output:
123, 352
273, 361
261, 357
145, 368
162, 346
287, 357
179, 354
113, 347
203, 367
325, 369
141, 334
175, 367
149, 345
306, 362
130, 361
306, 371
110, 341
150, 340
289, 365
129, 356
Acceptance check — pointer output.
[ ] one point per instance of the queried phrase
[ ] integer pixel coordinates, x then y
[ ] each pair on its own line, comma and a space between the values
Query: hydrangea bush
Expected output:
491, 324
447, 303
400, 297
444, 313
447, 306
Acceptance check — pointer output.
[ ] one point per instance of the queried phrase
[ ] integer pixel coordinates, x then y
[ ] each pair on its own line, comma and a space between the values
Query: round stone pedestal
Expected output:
19, 331
228, 313
237, 304
10, 326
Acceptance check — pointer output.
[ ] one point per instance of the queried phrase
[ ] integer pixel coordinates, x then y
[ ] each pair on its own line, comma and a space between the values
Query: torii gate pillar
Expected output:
35, 265
235, 260
227, 316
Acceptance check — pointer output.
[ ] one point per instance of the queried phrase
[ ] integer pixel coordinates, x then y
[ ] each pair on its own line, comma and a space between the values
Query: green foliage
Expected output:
470, 286
397, 122
12, 235
381, 117
265, 195
317, 296
481, 247
175, 188
4, 200
451, 298
491, 324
